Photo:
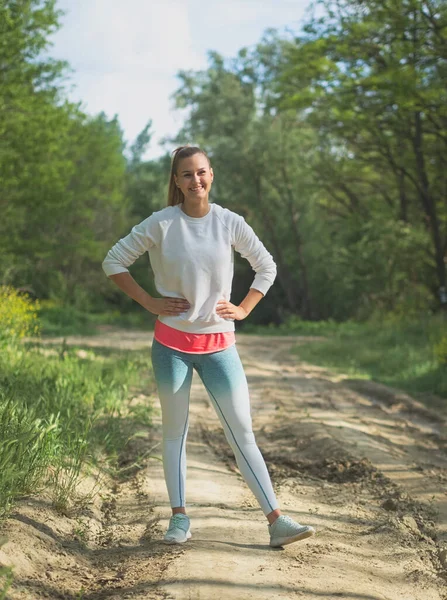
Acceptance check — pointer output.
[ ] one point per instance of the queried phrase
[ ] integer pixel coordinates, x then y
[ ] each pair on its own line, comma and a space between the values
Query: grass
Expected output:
57, 320
399, 353
65, 412
62, 413
63, 409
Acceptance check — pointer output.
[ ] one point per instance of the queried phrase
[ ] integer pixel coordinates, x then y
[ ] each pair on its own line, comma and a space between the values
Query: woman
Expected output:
190, 245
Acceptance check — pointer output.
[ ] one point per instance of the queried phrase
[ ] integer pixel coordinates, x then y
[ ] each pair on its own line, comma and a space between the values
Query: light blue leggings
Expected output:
224, 379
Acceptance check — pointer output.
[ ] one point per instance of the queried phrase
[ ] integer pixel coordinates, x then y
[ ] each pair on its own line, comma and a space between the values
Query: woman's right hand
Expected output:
168, 306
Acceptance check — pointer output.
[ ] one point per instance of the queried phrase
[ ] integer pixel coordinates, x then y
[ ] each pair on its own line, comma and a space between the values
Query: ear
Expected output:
212, 174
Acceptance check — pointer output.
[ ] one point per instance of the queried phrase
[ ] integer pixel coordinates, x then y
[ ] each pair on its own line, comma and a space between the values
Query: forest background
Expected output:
332, 143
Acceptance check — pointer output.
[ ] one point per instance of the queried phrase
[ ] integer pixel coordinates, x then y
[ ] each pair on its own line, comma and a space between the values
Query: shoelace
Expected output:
286, 520
176, 521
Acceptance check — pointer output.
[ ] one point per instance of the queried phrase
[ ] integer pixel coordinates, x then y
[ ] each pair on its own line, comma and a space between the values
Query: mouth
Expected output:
197, 189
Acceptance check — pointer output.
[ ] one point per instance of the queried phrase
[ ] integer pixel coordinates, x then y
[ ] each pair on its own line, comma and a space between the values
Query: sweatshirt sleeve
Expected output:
250, 247
126, 251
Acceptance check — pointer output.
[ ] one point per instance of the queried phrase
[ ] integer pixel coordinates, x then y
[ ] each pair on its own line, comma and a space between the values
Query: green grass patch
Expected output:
406, 354
63, 410
57, 320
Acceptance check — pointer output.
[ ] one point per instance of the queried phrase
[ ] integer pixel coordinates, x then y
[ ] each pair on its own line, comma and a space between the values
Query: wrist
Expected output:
246, 311
147, 301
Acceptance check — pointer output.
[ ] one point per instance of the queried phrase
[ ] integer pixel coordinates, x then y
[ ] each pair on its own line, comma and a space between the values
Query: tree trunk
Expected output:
307, 302
428, 202
284, 275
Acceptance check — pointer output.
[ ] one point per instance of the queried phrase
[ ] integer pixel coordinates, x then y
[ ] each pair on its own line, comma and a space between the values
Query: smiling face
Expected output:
194, 177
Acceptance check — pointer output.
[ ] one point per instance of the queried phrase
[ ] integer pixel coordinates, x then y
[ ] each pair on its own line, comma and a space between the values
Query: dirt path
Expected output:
365, 466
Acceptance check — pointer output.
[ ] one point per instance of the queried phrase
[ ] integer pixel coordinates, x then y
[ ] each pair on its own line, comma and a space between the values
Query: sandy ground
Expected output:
363, 464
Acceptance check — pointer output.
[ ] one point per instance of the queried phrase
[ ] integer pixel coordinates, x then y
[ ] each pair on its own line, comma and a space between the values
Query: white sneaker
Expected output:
178, 530
286, 531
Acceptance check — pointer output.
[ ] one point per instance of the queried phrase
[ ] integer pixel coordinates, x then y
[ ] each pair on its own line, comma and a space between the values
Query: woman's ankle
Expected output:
271, 517
179, 510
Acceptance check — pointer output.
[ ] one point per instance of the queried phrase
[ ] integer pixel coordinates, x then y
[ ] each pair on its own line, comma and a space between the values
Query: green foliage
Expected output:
371, 82
60, 411
62, 320
323, 166
394, 351
440, 351
405, 352
62, 173
331, 144
58, 319
26, 450
18, 315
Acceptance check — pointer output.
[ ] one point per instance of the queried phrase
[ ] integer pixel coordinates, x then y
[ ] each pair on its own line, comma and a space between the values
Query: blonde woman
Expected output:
190, 245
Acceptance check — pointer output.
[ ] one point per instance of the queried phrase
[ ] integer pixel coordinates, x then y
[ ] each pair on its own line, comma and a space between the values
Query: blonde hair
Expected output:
175, 194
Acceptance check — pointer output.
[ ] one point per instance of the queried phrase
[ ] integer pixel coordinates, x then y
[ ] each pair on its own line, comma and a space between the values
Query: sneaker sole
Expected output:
294, 538
174, 541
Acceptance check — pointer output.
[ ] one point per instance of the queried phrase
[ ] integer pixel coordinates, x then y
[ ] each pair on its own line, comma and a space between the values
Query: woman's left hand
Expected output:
227, 310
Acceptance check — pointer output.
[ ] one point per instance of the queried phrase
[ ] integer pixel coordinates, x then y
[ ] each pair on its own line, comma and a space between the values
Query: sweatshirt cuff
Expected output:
113, 269
262, 285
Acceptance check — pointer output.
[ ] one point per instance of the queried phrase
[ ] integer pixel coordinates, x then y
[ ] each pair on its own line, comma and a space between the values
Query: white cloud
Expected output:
252, 12
133, 35
134, 100
126, 54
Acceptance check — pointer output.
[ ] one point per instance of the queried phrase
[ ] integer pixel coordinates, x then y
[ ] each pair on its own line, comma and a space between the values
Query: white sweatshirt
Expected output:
193, 258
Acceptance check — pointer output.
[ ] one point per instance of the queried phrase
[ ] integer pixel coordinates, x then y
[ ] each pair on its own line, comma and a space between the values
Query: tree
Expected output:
371, 78
62, 173
256, 170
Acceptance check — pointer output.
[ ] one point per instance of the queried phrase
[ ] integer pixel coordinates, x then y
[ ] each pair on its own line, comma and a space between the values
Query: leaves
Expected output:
331, 143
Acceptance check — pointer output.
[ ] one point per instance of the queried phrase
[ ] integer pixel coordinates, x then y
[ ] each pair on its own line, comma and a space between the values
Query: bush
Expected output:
58, 319
18, 315
440, 350
61, 320
63, 411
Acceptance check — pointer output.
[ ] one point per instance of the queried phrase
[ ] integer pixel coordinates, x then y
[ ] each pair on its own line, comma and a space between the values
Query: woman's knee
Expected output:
173, 429
239, 438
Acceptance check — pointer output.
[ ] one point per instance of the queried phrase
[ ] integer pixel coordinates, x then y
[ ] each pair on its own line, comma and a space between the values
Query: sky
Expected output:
125, 54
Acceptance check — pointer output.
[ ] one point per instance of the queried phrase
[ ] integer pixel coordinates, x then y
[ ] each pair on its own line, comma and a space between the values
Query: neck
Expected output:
193, 209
